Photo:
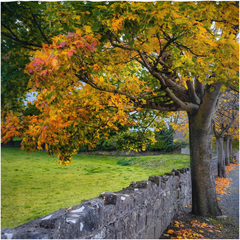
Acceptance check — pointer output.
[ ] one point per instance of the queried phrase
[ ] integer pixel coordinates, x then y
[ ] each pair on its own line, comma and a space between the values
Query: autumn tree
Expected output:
126, 57
224, 121
24, 27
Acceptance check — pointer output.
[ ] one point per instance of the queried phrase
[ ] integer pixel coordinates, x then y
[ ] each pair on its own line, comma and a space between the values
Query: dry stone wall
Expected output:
141, 211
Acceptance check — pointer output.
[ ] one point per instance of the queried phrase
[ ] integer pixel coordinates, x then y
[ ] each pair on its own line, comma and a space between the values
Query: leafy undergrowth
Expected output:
185, 225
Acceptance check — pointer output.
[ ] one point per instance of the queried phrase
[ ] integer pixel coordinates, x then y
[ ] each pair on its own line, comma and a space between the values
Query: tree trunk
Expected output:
227, 161
204, 195
221, 158
230, 150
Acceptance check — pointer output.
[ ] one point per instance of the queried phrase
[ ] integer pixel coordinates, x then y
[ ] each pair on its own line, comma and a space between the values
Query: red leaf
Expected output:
90, 47
70, 53
94, 43
72, 34
38, 61
62, 45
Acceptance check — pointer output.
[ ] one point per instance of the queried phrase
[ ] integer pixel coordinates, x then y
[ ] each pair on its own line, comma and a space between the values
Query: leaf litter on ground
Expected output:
185, 225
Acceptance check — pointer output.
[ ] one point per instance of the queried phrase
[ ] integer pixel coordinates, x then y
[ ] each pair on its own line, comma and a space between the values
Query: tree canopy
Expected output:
116, 59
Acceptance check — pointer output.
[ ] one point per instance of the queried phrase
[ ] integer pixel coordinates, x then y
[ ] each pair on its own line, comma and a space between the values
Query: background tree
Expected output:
164, 140
224, 119
124, 57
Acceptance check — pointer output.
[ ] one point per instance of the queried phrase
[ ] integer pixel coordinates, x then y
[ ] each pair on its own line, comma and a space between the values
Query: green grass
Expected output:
34, 185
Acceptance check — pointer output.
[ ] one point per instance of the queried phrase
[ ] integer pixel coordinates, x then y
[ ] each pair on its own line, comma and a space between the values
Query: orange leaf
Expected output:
45, 46
44, 72
170, 231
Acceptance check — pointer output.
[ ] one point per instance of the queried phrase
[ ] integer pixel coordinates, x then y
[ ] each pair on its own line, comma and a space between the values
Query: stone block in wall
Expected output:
109, 214
134, 220
49, 221
124, 204
81, 221
140, 196
154, 185
101, 234
150, 232
155, 179
127, 227
158, 229
27, 233
141, 224
165, 220
118, 225
110, 231
157, 208
150, 218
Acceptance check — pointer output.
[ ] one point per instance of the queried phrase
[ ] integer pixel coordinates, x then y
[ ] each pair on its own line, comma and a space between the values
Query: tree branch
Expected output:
40, 29
21, 41
192, 92
199, 88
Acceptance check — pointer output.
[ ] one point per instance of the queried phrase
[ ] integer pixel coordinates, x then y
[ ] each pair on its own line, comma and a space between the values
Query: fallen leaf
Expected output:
170, 231
210, 226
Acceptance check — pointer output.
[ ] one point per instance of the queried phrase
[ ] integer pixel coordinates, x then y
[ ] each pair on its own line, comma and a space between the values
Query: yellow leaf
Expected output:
79, 31
88, 29
54, 62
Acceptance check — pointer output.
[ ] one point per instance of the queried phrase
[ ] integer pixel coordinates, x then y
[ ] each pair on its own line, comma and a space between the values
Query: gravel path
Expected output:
229, 203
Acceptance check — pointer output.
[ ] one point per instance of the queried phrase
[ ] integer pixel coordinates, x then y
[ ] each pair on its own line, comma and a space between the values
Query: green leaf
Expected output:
95, 27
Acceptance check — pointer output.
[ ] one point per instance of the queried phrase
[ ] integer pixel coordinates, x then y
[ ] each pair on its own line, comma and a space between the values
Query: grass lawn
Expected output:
33, 184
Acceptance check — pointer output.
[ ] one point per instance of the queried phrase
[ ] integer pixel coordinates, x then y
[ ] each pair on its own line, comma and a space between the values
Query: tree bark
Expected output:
227, 160
204, 196
221, 158
230, 149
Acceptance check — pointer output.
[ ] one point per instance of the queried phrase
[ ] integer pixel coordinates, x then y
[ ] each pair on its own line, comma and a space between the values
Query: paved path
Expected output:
230, 203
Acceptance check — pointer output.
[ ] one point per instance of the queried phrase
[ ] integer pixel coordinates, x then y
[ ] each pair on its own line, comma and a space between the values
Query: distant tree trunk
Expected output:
230, 149
221, 158
226, 141
204, 196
